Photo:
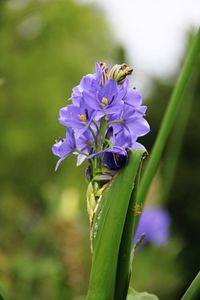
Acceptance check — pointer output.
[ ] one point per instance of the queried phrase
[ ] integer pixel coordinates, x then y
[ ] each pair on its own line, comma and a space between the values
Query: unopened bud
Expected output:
120, 72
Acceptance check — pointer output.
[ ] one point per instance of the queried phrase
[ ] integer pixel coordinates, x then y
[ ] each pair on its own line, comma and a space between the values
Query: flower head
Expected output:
104, 121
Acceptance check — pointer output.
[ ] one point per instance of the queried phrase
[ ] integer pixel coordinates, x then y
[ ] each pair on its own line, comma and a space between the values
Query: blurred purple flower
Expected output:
154, 223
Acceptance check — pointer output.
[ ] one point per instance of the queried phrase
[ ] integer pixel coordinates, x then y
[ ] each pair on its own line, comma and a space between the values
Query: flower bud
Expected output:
120, 72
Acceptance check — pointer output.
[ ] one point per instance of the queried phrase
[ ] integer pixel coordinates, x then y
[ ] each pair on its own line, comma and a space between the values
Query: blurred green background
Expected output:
45, 48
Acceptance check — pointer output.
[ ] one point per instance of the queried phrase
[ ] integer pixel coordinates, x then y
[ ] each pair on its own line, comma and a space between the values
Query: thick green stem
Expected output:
169, 119
173, 151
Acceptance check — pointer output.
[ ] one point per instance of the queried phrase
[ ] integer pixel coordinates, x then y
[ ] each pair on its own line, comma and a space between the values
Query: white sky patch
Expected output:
152, 31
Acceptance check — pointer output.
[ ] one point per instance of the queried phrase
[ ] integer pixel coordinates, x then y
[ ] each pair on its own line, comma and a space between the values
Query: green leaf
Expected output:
108, 229
174, 145
126, 251
133, 295
193, 292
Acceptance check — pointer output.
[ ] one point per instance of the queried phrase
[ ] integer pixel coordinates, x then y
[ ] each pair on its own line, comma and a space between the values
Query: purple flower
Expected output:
116, 150
131, 120
154, 223
77, 117
115, 161
64, 147
106, 101
85, 144
90, 82
116, 157
132, 96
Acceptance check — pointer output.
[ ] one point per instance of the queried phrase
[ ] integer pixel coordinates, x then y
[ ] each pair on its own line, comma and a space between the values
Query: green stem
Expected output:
108, 143
116, 121
103, 125
169, 118
81, 152
91, 161
193, 291
94, 136
173, 150
95, 124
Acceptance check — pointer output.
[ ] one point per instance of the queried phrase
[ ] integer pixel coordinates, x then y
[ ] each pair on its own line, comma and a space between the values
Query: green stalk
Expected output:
169, 118
193, 292
176, 140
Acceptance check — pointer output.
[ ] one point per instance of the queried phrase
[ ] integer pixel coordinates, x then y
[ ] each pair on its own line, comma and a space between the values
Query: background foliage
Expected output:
46, 46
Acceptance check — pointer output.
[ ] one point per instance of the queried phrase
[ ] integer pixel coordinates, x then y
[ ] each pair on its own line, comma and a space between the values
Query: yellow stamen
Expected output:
104, 100
83, 118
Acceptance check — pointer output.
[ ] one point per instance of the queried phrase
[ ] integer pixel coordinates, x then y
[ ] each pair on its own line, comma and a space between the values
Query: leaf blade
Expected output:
114, 206
193, 292
124, 259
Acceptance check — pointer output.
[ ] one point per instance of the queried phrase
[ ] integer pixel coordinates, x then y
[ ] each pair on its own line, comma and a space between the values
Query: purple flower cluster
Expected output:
103, 121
